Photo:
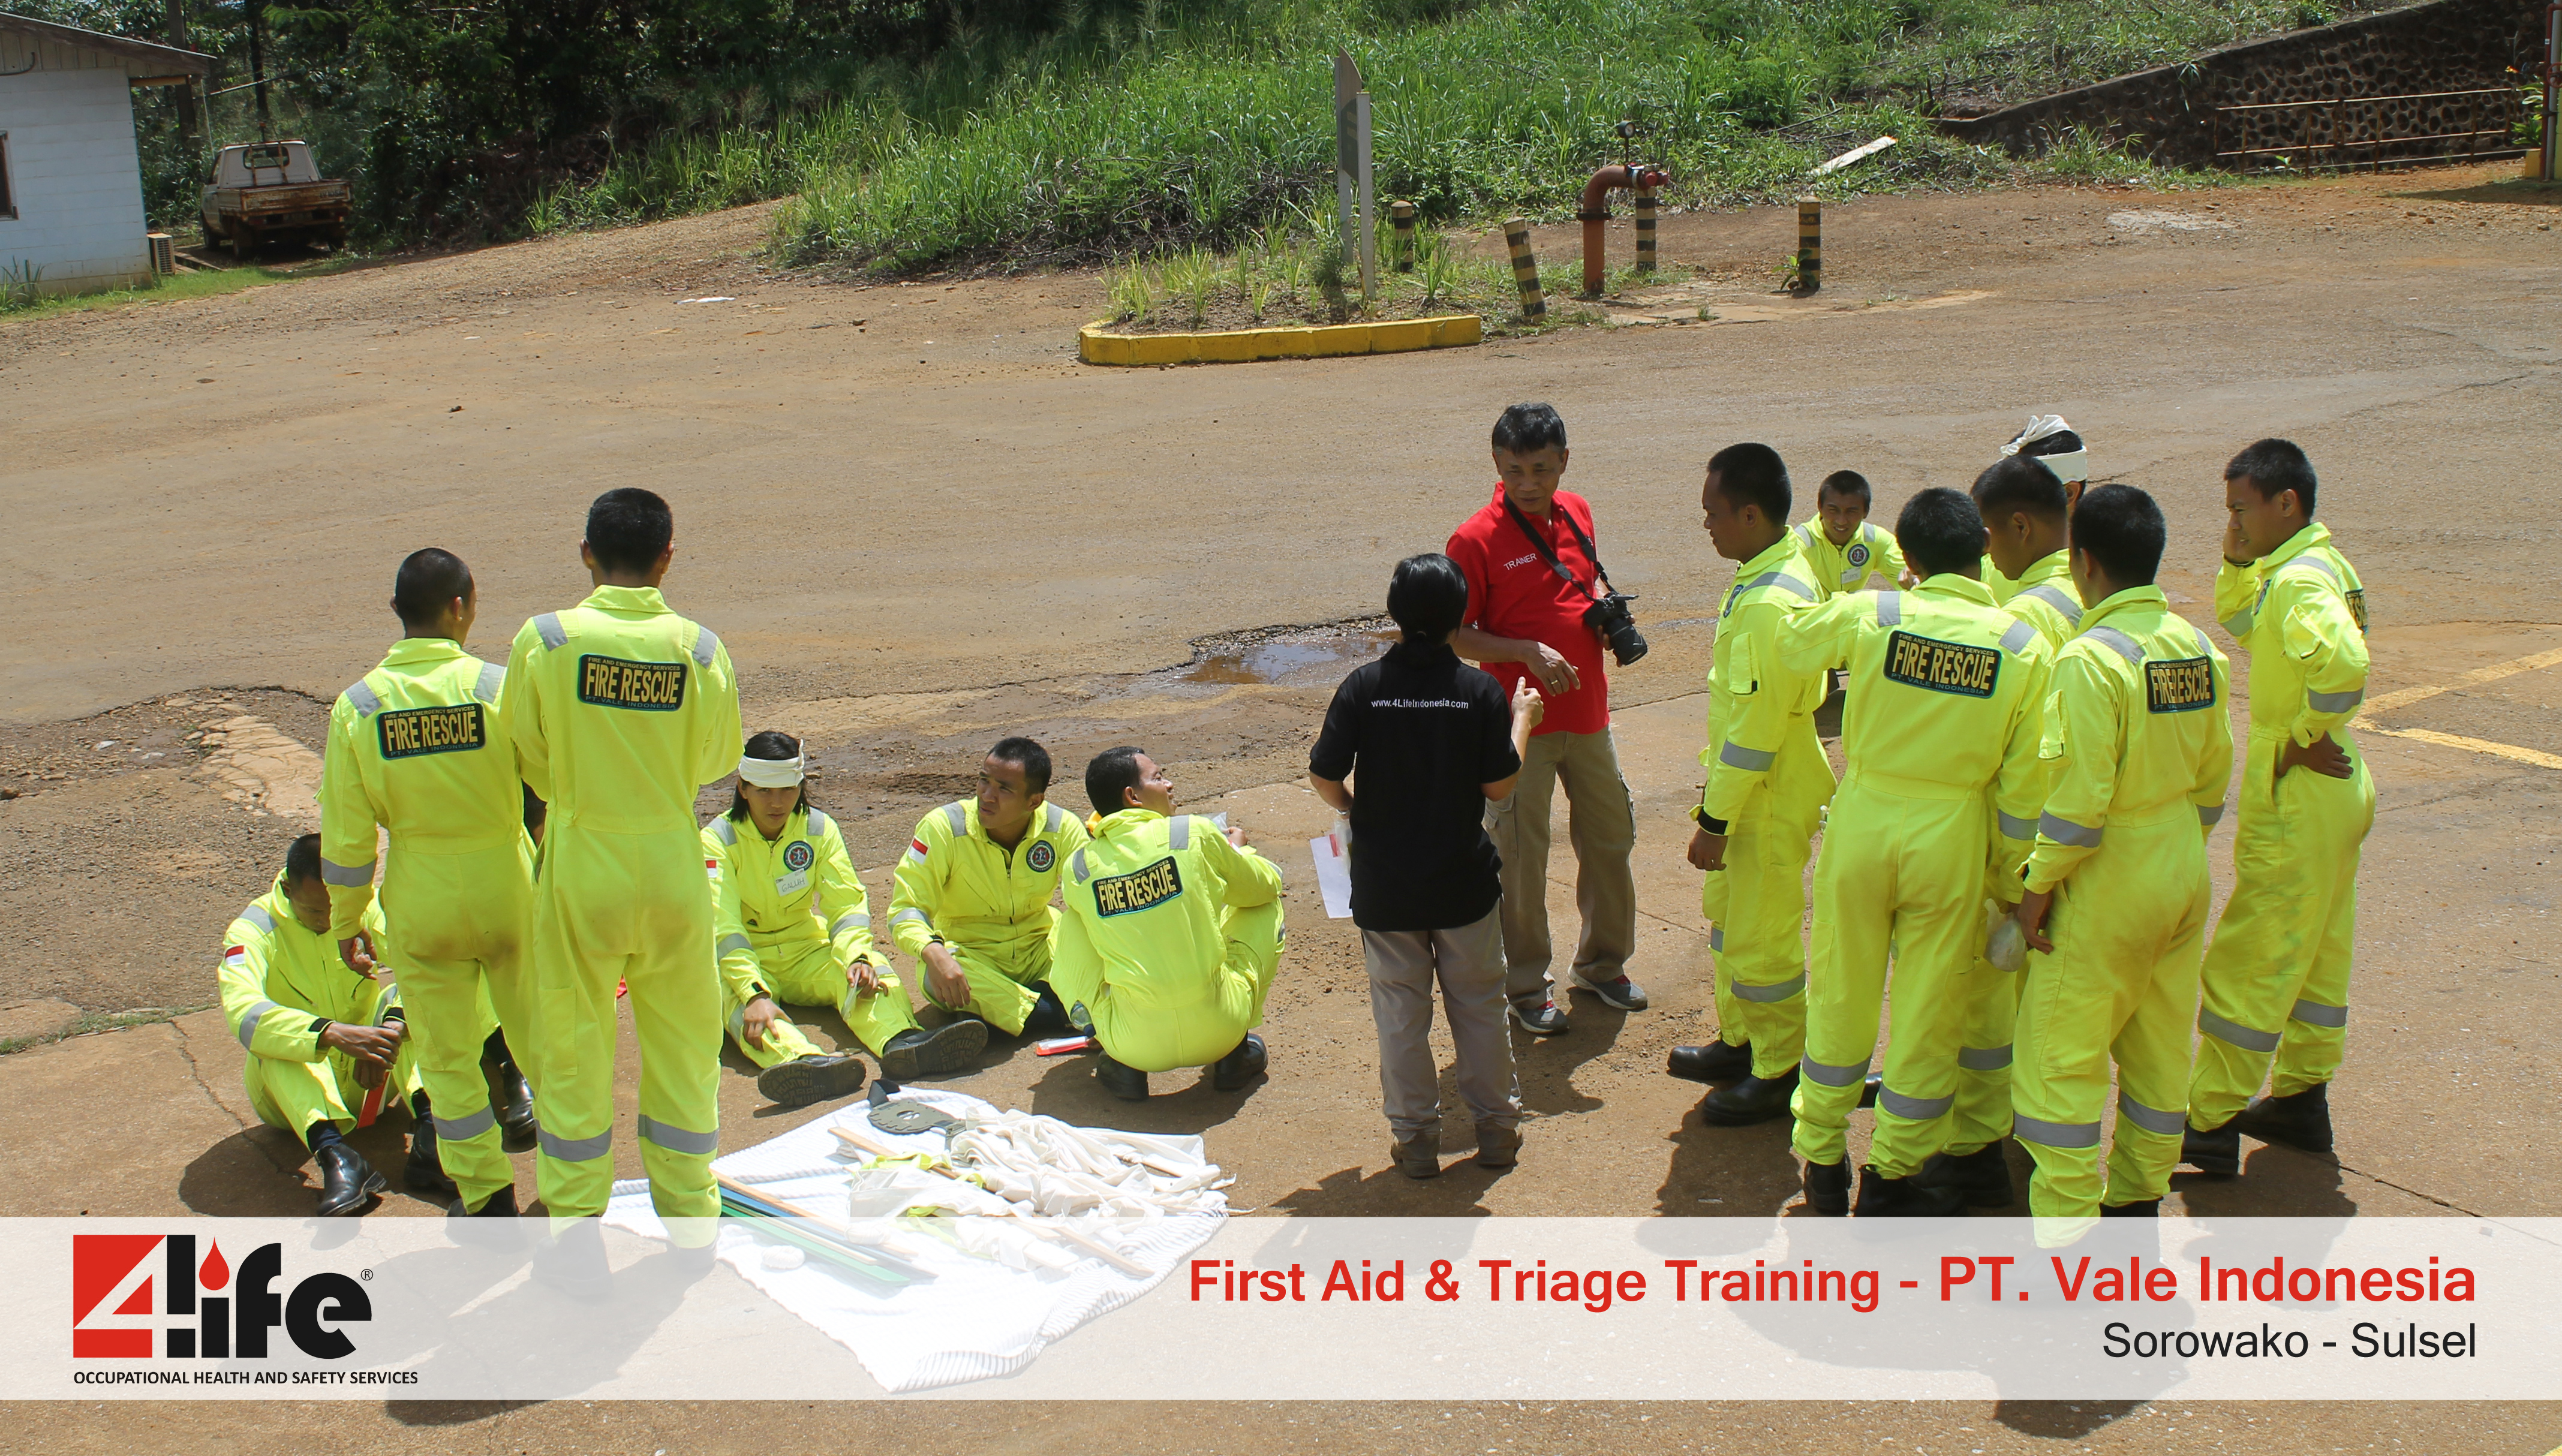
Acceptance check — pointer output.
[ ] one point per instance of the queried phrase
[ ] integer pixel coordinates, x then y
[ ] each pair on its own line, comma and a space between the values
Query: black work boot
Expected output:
1981, 1178
816, 1078
1828, 1187
1127, 1083
1241, 1066
1048, 1017
1753, 1100
425, 1171
2149, 1208
1716, 1062
916, 1053
348, 1181
572, 1260
1881, 1197
2217, 1151
2299, 1119
510, 1099
492, 1225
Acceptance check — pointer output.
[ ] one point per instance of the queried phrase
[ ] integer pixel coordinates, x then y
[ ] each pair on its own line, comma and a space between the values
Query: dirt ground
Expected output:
920, 523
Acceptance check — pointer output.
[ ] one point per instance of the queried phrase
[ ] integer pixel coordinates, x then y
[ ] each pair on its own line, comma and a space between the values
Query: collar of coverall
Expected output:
1100, 824
1949, 584
627, 600
2052, 566
423, 649
2131, 597
1770, 557
2313, 534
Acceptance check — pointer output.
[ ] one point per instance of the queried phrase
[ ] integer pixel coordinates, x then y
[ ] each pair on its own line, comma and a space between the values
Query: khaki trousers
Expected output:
1601, 823
1468, 962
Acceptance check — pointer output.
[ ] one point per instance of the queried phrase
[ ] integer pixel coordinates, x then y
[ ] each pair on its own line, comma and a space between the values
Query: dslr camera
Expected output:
1610, 616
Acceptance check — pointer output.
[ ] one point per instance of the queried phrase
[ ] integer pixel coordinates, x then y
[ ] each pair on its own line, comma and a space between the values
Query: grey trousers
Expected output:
1601, 823
1469, 965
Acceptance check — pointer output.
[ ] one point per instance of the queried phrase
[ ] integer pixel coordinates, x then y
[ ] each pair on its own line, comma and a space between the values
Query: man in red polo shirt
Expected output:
1527, 619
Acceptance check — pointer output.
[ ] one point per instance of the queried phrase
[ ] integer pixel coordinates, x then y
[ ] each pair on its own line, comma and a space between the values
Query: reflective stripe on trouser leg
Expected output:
1520, 826
1984, 1056
449, 1016
1941, 886
1757, 902
2286, 932
1855, 883
675, 1003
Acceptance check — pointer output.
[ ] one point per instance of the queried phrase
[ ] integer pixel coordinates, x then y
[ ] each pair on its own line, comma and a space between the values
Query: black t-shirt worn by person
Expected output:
1425, 731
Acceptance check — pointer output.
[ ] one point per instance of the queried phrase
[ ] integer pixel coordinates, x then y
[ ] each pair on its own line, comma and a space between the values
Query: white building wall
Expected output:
74, 177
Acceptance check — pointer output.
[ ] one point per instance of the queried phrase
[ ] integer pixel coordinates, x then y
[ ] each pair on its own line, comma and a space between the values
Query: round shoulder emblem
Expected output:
1858, 553
1040, 857
798, 855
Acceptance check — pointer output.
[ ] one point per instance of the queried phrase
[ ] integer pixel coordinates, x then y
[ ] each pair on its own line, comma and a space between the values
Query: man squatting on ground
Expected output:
794, 924
417, 749
320, 1038
1767, 786
1171, 936
620, 710
1844, 550
2277, 974
1534, 580
1432, 742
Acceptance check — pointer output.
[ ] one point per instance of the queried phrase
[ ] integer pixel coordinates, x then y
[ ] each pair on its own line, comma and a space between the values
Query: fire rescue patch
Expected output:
2182, 686
798, 855
1927, 662
415, 731
649, 687
1041, 858
1858, 553
1146, 889
2357, 609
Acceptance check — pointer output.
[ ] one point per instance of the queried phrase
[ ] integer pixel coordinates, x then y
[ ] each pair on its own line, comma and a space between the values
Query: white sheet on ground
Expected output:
978, 1317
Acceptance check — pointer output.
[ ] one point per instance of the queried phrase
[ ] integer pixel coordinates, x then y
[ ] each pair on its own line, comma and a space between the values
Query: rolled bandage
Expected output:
2067, 467
2005, 944
770, 773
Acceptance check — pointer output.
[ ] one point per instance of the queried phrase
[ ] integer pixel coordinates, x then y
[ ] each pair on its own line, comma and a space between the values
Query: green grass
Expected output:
170, 289
94, 1022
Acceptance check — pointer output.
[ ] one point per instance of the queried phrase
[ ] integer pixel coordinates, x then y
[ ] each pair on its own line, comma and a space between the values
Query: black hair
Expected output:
2274, 466
1752, 474
769, 745
628, 528
1523, 429
1427, 597
302, 860
1110, 777
1940, 530
427, 581
1028, 756
2123, 529
2019, 483
1847, 483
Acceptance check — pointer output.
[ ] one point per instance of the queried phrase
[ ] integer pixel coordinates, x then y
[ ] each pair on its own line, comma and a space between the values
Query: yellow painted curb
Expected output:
1239, 345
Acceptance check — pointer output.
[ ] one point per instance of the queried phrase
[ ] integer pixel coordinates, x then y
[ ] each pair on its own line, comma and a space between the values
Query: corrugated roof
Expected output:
169, 58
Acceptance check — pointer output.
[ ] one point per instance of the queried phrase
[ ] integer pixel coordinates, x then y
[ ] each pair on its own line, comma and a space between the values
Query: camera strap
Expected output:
1539, 543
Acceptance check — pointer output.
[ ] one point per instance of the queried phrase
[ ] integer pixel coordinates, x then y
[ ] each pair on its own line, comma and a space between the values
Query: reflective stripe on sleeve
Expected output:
1983, 1058
347, 876
2241, 622
733, 941
2152, 1119
548, 627
492, 677
2059, 599
471, 1125
2117, 642
958, 816
2314, 1014
820, 823
2016, 638
1181, 835
2317, 564
1914, 1109
677, 1139
912, 913
850, 920
705, 645
1076, 863
1751, 760
2335, 702
2235, 1032
2065, 832
257, 915
1765, 994
1832, 1076
725, 830
2054, 1135
362, 699
2015, 828
1054, 818
1890, 607
1781, 580
2210, 814
250, 1021
576, 1150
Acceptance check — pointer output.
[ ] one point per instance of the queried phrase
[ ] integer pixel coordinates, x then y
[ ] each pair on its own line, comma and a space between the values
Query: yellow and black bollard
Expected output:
1526, 269
1402, 214
1645, 230
1810, 245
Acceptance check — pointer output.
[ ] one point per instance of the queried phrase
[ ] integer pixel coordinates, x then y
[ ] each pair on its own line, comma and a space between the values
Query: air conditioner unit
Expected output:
164, 258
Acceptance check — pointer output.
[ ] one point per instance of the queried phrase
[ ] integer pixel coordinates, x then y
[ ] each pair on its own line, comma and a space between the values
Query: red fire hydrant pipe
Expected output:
1597, 211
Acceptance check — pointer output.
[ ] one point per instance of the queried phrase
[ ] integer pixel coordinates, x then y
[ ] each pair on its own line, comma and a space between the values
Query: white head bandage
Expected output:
770, 773
2067, 467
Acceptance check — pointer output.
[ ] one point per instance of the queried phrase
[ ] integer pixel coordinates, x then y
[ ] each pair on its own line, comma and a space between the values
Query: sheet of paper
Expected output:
1333, 872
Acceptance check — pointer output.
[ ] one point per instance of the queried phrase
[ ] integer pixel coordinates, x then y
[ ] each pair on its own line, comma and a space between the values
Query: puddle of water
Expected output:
1286, 662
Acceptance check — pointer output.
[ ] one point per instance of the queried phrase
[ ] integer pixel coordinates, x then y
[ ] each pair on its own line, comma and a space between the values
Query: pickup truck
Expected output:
271, 191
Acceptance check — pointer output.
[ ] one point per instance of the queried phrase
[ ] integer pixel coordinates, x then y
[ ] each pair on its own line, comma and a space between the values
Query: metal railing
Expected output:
2354, 124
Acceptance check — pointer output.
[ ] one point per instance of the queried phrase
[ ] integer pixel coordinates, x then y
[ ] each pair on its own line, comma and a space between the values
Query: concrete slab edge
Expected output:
1244, 345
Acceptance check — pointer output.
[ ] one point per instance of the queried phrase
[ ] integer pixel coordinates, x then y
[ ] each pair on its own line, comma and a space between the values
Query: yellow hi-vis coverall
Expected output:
621, 709
987, 905
2139, 745
1170, 940
1944, 697
1768, 781
2047, 599
1869, 553
418, 746
2277, 974
792, 923
281, 986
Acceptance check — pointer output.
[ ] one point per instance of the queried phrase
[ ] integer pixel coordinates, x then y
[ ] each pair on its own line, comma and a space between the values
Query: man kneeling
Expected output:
1171, 936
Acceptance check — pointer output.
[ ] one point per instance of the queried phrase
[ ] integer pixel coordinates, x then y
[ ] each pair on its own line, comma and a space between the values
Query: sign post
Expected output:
1352, 197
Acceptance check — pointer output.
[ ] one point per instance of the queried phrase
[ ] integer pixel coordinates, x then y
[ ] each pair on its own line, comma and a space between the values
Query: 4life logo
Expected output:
123, 1296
